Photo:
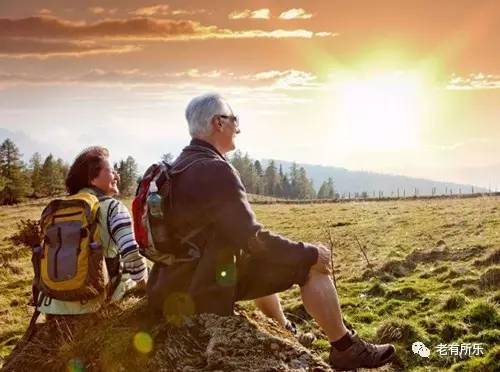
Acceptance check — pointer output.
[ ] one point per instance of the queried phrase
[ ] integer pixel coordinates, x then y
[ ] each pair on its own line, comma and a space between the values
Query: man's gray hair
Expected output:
201, 110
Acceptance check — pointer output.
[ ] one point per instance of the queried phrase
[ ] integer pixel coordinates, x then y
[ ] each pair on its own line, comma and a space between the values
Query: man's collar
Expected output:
199, 142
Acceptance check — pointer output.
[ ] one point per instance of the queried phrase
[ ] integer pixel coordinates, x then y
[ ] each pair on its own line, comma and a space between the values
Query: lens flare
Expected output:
226, 274
75, 365
177, 307
143, 342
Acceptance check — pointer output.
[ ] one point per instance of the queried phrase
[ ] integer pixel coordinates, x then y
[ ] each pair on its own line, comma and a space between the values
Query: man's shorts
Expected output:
258, 277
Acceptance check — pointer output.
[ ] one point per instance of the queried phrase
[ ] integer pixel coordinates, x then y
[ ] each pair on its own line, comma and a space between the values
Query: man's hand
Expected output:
323, 263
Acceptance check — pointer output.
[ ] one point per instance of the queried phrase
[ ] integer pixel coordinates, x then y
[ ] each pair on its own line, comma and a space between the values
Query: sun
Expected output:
378, 112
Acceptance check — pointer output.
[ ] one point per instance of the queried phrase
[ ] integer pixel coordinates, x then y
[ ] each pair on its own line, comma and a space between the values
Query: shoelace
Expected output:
369, 348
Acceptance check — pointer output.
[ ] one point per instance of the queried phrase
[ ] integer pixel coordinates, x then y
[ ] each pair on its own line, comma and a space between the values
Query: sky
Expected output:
400, 87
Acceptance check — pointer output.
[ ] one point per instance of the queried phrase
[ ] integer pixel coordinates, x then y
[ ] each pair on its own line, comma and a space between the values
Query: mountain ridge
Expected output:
357, 181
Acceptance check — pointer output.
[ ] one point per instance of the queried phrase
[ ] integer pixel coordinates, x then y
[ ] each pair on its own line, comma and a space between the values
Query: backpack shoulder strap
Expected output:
102, 200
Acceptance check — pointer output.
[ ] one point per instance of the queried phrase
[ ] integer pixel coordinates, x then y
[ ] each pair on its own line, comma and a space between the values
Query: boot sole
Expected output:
382, 363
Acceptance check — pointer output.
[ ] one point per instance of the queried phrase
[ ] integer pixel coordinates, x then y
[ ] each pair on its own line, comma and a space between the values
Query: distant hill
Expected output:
361, 181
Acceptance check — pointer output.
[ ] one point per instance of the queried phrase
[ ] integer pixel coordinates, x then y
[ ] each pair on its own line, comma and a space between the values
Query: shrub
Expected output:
28, 233
405, 293
376, 290
483, 315
455, 301
452, 331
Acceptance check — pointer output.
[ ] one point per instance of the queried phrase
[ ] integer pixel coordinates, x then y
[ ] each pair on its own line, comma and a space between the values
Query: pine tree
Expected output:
270, 179
63, 168
322, 191
331, 188
237, 161
286, 187
52, 177
16, 183
294, 175
36, 174
259, 177
128, 172
305, 189
326, 191
3, 183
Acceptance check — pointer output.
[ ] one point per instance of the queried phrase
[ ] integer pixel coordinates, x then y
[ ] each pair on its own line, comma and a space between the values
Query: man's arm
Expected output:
234, 219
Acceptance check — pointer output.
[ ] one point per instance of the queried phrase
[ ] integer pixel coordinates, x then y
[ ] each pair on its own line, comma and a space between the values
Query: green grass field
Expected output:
434, 276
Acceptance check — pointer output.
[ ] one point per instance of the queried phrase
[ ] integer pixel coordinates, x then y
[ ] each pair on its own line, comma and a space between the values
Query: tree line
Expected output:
274, 181
45, 177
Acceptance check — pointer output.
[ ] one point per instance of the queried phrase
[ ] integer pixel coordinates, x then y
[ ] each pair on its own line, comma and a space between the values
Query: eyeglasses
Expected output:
233, 118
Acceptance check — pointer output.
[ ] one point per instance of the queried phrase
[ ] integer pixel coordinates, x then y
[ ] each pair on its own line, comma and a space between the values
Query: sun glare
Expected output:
378, 112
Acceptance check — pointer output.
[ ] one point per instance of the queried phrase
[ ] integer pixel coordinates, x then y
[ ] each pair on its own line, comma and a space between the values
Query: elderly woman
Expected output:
92, 172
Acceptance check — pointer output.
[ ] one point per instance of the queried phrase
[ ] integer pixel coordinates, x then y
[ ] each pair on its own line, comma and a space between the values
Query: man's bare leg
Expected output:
321, 302
271, 307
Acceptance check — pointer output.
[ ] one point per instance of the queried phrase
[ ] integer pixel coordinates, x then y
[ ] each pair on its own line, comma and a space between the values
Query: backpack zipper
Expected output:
59, 237
67, 214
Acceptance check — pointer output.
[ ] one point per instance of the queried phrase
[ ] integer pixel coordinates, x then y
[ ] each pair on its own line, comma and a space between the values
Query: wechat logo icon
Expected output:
420, 349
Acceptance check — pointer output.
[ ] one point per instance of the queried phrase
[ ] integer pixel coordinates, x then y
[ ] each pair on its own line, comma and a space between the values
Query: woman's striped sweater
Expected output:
120, 230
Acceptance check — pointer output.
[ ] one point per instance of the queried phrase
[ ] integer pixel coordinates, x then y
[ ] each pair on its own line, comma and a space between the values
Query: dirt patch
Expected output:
244, 342
443, 253
405, 293
376, 290
400, 268
340, 224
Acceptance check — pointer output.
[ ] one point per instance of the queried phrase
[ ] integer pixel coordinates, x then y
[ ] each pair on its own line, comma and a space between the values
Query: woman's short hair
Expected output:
85, 168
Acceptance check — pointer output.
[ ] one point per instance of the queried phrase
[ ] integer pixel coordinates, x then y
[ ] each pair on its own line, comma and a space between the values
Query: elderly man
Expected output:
240, 260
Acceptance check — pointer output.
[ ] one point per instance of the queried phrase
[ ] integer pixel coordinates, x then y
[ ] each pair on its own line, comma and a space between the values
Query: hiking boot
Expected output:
306, 339
291, 326
361, 354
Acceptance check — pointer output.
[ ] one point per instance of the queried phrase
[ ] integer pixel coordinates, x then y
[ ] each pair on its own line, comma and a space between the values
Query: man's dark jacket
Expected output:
209, 192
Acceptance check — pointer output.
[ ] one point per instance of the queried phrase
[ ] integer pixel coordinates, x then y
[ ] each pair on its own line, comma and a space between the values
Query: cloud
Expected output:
284, 79
99, 10
295, 13
274, 34
23, 48
163, 10
263, 13
45, 11
148, 11
273, 79
477, 81
51, 27
135, 29
188, 11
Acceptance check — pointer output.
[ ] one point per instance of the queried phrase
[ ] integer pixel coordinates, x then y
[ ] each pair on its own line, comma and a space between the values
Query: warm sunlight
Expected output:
378, 111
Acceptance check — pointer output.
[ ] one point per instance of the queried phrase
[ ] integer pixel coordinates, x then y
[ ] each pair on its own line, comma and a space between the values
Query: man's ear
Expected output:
217, 124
